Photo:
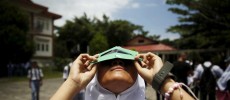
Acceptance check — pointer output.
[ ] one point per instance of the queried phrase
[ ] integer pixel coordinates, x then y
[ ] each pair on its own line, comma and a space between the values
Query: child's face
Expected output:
116, 75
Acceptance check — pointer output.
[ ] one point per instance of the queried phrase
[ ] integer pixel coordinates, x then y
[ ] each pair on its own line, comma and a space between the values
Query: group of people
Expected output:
33, 72
17, 69
119, 74
207, 80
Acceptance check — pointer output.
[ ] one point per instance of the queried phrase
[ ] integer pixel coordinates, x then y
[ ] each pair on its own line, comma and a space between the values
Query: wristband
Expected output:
159, 78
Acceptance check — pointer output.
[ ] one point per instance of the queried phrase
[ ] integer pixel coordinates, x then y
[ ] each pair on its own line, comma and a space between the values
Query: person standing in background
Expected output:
182, 69
35, 76
10, 68
223, 83
66, 71
206, 76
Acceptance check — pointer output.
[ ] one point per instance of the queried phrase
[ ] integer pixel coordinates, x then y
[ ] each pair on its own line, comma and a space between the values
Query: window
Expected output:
43, 47
37, 46
41, 24
47, 47
47, 24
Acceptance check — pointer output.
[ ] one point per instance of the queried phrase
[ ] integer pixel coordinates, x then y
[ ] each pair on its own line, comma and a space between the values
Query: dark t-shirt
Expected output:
181, 70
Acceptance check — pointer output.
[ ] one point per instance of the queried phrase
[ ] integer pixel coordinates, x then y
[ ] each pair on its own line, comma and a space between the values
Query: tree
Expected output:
120, 31
98, 44
76, 33
15, 42
154, 37
168, 42
81, 31
203, 23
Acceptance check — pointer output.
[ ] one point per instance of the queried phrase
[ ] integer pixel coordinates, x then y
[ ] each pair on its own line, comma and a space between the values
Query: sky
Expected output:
153, 15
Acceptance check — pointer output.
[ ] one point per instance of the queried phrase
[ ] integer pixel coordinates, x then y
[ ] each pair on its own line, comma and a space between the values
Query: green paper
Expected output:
117, 52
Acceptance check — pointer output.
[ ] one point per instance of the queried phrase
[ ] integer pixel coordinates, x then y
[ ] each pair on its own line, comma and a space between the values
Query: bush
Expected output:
60, 63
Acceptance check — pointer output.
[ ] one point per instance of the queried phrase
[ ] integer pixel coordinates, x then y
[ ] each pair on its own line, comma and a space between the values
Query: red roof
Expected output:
150, 48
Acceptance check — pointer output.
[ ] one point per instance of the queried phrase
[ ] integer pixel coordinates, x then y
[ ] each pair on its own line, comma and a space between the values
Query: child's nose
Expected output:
118, 62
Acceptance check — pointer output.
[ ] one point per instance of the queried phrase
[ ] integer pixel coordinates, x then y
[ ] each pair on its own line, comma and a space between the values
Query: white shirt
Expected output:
94, 91
66, 70
35, 74
216, 70
222, 82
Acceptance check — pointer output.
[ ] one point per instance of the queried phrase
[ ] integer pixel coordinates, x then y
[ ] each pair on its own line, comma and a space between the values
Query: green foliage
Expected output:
98, 44
119, 31
50, 73
168, 42
204, 23
60, 63
77, 32
60, 49
154, 37
15, 42
83, 32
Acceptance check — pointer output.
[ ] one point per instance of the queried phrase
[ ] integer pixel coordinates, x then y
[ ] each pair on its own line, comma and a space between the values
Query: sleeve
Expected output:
198, 71
217, 71
222, 82
228, 68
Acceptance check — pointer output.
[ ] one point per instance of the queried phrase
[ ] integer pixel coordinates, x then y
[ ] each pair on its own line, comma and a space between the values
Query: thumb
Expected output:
143, 72
139, 68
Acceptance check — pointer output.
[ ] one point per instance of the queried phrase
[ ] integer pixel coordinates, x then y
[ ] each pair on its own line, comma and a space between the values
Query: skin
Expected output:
82, 72
117, 77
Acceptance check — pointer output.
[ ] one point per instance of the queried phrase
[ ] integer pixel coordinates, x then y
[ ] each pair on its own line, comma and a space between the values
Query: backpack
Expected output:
208, 80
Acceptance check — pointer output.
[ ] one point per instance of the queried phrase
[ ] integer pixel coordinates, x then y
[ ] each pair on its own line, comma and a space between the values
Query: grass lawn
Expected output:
50, 73
47, 71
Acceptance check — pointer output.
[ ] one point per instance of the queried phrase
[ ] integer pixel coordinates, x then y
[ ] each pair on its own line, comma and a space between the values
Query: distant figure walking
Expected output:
35, 76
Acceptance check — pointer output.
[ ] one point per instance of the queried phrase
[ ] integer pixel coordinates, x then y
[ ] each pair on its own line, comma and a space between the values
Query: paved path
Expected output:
21, 90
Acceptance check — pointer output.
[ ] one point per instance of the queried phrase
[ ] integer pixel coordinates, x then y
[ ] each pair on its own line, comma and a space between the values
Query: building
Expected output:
41, 24
143, 45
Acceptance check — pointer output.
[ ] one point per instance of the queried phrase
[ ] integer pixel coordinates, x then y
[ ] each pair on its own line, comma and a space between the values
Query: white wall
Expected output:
43, 46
